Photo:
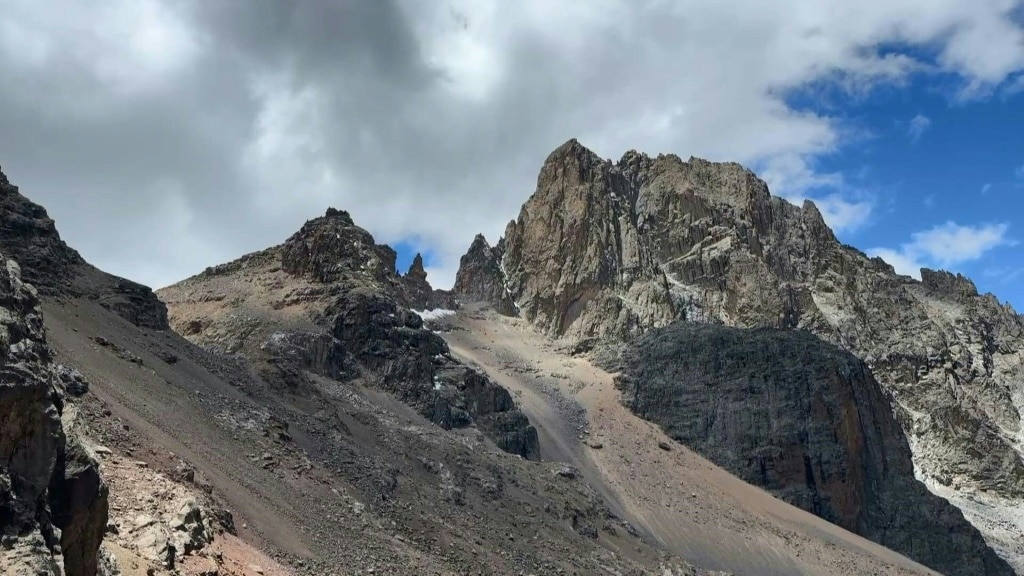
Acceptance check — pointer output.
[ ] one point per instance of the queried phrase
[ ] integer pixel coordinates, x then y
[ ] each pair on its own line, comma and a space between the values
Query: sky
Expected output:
165, 136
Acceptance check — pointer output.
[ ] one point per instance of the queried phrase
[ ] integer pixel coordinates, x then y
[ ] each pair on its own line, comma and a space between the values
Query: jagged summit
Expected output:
331, 248
480, 277
603, 252
416, 271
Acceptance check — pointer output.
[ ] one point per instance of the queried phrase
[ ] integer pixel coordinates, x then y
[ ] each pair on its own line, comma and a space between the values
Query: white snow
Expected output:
435, 314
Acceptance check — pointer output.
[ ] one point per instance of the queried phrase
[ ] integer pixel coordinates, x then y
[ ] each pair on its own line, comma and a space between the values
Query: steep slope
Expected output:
53, 503
682, 501
327, 475
604, 251
807, 421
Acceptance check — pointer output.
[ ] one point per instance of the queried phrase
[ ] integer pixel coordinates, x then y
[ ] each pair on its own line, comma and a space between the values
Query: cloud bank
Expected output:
168, 135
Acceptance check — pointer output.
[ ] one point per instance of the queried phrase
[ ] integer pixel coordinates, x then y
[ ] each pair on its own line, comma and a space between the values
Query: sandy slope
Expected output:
695, 508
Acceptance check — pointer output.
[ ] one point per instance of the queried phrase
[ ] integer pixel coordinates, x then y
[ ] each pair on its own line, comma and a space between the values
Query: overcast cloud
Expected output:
168, 135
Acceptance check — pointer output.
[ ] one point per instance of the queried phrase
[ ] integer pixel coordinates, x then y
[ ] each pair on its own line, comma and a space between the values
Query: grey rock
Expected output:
603, 252
72, 381
480, 277
806, 420
53, 506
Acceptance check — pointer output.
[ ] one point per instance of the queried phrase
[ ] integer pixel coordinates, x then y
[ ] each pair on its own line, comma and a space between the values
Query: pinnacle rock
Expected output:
416, 271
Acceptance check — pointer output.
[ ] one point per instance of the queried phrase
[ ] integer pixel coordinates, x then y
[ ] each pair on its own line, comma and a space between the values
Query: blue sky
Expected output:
943, 177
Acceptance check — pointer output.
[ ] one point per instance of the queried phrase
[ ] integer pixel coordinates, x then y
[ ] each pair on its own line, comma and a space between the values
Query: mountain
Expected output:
313, 411
329, 301
301, 460
604, 252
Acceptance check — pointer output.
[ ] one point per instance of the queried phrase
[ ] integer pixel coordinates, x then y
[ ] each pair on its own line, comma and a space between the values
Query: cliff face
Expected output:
805, 420
574, 263
329, 302
53, 503
602, 252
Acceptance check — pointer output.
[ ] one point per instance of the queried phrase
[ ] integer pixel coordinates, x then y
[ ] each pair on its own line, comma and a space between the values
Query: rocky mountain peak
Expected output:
416, 271
480, 277
341, 215
30, 236
603, 252
3, 177
329, 248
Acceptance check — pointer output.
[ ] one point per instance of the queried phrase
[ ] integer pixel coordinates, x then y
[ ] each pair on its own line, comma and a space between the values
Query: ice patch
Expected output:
435, 314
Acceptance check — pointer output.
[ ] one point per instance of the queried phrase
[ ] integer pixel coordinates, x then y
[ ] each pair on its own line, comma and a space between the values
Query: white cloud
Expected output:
844, 215
430, 119
918, 126
929, 201
904, 263
945, 245
986, 187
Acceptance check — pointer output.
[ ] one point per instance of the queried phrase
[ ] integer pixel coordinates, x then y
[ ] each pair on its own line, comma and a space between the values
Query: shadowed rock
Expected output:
806, 421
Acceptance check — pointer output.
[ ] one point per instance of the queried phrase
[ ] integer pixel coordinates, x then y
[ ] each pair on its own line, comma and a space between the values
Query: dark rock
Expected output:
71, 380
416, 272
805, 420
47, 482
78, 499
948, 286
168, 357
390, 346
480, 277
317, 352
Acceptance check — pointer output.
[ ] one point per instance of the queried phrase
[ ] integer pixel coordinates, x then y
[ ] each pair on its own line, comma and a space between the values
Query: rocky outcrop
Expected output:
329, 302
604, 251
391, 345
805, 420
481, 279
574, 262
30, 237
332, 250
53, 506
78, 498
416, 293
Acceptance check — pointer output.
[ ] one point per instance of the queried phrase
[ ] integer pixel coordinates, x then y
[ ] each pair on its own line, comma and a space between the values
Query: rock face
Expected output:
480, 277
53, 503
574, 262
805, 420
29, 236
603, 251
329, 302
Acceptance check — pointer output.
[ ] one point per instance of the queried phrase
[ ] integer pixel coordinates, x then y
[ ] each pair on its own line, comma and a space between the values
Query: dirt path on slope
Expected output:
692, 507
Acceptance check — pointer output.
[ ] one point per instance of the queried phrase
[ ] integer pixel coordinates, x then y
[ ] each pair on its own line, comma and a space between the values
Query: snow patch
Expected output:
435, 314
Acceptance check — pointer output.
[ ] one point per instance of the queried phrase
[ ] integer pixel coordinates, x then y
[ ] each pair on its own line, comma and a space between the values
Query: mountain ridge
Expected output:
603, 252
